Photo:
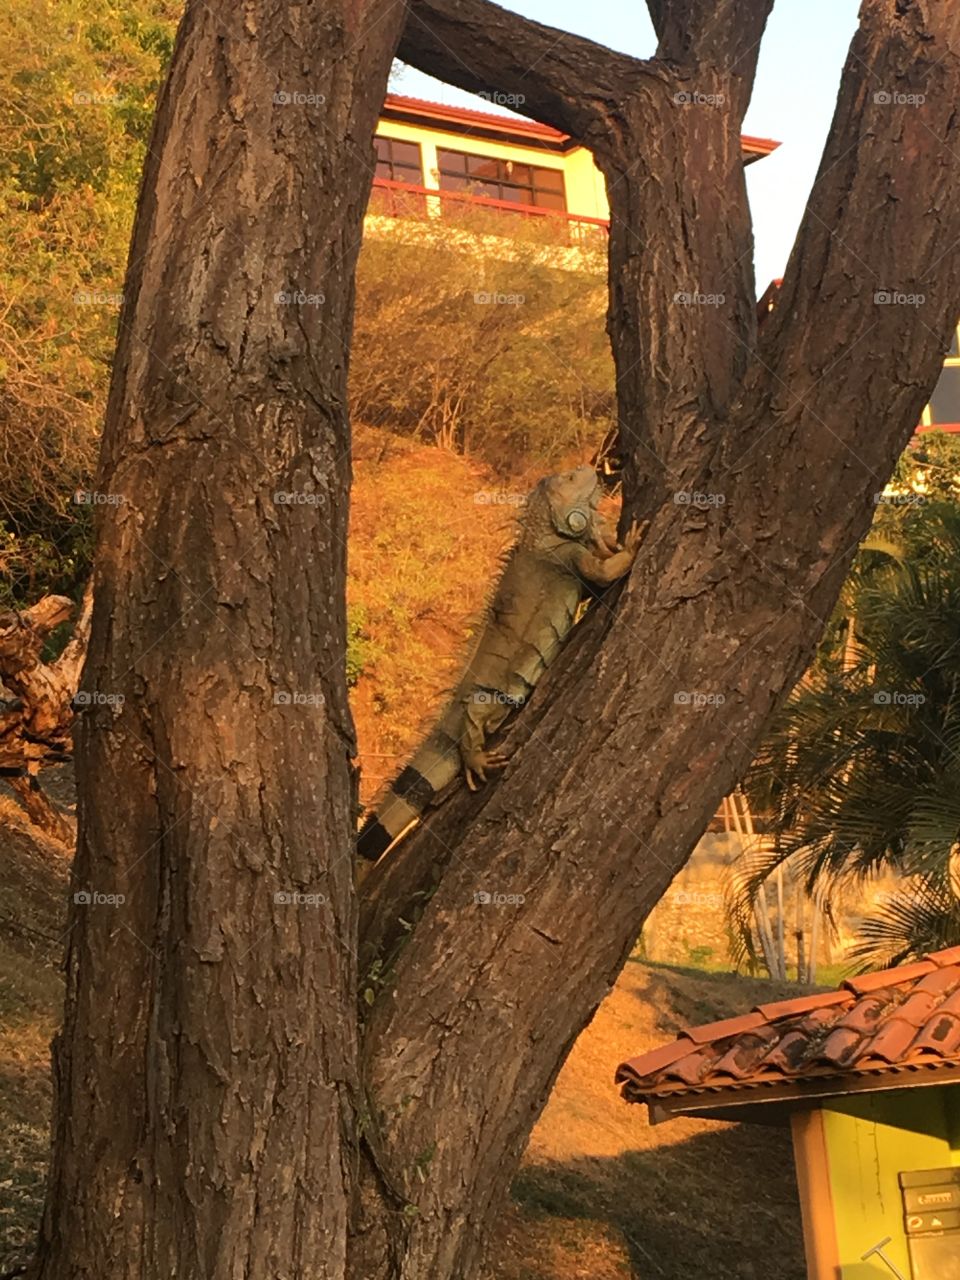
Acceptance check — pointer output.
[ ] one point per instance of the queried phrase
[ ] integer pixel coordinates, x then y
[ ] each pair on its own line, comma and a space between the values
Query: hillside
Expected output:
601, 1194
605, 1195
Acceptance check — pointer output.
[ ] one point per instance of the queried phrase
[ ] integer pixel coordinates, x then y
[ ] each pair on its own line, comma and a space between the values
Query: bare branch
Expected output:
562, 79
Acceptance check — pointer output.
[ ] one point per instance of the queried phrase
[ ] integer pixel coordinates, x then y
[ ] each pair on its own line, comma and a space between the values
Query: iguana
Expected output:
564, 545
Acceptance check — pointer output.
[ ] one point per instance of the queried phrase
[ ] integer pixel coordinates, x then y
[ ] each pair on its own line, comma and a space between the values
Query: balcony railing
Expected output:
408, 200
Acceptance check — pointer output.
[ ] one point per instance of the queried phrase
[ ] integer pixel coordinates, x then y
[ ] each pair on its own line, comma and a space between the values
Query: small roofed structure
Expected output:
865, 1075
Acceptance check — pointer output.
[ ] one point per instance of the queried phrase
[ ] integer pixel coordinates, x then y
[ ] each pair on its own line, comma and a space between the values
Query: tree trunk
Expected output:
653, 715
207, 1066
221, 1021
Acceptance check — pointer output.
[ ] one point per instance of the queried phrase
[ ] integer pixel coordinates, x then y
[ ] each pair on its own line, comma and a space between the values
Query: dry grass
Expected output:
423, 553
602, 1193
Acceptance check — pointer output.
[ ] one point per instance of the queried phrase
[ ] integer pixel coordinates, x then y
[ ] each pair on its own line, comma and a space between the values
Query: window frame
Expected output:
502, 180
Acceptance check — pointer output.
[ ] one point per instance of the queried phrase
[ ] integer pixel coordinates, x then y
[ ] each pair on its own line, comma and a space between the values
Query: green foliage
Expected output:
860, 771
78, 81
482, 333
361, 649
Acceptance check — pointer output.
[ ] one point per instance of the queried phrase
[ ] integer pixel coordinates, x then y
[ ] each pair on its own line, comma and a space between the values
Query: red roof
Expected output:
896, 1027
517, 125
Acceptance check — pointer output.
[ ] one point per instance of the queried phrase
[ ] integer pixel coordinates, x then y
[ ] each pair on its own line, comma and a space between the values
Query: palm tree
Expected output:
861, 770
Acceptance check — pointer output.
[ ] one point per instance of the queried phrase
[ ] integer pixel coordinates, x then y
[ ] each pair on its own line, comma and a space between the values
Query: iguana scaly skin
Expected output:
564, 544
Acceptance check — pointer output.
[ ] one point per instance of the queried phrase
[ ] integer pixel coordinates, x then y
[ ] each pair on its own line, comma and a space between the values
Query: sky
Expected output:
801, 59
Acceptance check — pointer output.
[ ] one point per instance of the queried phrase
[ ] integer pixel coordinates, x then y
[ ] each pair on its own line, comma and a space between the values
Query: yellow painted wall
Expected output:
586, 194
870, 1139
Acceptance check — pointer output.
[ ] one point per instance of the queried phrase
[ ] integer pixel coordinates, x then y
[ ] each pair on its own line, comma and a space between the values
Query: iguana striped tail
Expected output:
433, 767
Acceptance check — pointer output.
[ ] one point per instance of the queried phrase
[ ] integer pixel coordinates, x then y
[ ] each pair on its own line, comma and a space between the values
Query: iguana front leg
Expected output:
603, 571
476, 759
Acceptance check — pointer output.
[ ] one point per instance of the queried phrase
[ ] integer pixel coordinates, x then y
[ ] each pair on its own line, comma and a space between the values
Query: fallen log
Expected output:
36, 721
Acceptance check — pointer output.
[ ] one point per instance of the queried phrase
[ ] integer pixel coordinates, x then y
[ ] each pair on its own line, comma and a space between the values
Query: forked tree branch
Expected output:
560, 79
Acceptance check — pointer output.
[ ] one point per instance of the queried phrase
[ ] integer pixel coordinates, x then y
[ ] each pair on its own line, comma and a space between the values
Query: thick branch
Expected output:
722, 34
658, 704
872, 277
560, 79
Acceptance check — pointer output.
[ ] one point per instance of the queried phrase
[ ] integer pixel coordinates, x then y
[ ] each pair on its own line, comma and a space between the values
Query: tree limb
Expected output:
561, 79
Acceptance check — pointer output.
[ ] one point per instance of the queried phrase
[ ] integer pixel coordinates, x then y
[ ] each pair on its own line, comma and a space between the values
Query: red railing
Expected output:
410, 199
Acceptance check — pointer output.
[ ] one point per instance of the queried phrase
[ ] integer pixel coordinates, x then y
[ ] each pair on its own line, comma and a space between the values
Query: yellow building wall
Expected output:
586, 193
870, 1139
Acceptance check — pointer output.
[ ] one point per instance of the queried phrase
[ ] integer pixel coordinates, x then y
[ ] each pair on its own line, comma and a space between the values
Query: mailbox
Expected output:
931, 1220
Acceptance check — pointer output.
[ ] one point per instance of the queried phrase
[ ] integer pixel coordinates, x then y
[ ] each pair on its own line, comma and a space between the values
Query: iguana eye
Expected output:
577, 521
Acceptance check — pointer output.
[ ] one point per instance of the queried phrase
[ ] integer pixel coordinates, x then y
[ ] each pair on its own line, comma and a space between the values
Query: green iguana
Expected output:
564, 545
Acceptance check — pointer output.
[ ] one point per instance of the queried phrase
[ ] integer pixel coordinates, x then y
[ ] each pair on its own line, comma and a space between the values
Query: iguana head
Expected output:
567, 504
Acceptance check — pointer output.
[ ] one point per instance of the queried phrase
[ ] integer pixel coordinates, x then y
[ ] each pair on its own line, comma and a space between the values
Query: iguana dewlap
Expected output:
564, 544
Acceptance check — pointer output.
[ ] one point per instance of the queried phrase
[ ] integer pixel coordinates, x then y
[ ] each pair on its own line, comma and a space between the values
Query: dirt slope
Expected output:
605, 1195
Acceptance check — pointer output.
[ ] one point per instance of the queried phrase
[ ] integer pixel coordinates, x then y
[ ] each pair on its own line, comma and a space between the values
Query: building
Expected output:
867, 1078
432, 158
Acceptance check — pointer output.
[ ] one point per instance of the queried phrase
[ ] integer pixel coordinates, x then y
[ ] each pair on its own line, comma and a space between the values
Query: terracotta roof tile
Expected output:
941, 1034
746, 1054
940, 981
728, 1027
803, 1004
839, 1047
865, 1014
885, 977
894, 1040
900, 1020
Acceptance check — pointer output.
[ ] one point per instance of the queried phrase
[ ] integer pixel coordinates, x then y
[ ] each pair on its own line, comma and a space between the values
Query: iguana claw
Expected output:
478, 762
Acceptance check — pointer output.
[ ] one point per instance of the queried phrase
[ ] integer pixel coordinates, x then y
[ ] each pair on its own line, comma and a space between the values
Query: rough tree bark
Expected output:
207, 1065
224, 1022
628, 748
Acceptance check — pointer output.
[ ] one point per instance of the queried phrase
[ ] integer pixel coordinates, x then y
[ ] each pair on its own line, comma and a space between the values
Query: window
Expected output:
496, 179
399, 161
944, 407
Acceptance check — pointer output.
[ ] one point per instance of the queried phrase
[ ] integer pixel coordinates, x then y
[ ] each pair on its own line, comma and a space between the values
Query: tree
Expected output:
218, 1112
859, 770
